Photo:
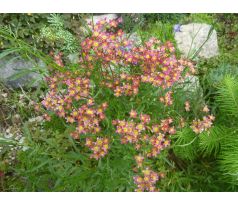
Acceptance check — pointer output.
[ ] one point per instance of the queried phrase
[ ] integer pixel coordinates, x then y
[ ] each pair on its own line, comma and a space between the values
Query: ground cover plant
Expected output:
121, 118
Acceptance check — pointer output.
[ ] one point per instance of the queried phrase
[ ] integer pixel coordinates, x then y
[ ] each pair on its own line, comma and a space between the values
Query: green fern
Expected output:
227, 136
56, 20
210, 142
227, 97
215, 76
228, 159
185, 146
57, 34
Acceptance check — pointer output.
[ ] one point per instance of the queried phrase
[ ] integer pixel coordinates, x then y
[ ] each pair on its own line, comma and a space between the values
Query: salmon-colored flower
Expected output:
133, 114
99, 147
198, 126
205, 109
139, 160
147, 181
187, 106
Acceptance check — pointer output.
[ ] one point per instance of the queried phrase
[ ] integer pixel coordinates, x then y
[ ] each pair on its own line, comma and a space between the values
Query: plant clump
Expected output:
115, 67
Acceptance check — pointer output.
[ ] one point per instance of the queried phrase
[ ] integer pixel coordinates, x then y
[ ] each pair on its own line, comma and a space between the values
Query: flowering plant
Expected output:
126, 94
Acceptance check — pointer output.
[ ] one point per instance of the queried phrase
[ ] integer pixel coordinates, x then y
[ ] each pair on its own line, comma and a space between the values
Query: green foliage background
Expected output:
54, 162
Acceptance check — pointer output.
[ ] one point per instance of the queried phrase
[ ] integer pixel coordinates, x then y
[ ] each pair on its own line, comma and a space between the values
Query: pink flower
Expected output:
187, 106
206, 109
133, 114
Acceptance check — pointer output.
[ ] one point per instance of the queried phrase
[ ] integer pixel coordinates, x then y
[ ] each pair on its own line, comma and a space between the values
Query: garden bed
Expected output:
117, 105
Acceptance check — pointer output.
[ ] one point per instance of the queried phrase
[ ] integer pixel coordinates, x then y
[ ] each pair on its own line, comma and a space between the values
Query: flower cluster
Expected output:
69, 98
166, 71
129, 131
166, 126
108, 44
158, 144
199, 126
141, 132
99, 147
154, 62
147, 181
124, 84
149, 139
167, 99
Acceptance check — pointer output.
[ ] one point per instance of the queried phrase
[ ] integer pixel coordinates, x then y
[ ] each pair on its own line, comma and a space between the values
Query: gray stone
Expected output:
191, 88
135, 38
191, 84
17, 72
195, 39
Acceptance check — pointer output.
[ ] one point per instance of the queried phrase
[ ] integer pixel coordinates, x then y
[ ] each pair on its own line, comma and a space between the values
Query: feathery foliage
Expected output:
210, 142
227, 96
185, 145
58, 35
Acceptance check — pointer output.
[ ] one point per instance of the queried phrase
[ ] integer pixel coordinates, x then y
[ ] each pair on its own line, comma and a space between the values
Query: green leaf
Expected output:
227, 96
8, 52
210, 141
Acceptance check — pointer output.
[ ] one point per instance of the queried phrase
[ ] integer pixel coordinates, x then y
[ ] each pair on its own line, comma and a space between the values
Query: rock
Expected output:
101, 17
18, 72
191, 88
191, 84
135, 38
195, 37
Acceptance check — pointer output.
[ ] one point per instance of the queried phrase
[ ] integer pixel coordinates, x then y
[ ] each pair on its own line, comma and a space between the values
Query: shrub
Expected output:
122, 95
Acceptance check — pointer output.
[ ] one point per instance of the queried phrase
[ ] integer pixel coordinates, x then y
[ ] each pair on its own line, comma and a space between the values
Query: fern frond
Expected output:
210, 141
215, 76
228, 162
185, 146
228, 157
58, 34
56, 20
227, 97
